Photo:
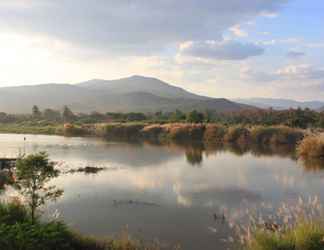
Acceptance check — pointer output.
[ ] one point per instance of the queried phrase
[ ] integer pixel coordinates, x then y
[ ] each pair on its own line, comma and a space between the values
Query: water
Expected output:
169, 193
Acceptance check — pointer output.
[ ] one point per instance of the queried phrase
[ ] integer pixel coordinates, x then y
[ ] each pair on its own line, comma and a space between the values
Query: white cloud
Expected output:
127, 27
289, 73
269, 14
237, 31
301, 72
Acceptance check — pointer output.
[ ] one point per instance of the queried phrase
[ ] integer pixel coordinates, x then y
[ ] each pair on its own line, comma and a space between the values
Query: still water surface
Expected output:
169, 193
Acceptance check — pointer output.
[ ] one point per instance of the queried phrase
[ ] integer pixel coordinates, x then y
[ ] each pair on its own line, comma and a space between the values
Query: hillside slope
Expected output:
133, 94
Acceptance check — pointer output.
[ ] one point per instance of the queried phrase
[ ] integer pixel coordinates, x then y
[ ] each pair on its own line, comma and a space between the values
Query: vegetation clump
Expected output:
73, 130
311, 147
238, 135
214, 133
276, 135
154, 132
119, 131
292, 226
185, 132
304, 236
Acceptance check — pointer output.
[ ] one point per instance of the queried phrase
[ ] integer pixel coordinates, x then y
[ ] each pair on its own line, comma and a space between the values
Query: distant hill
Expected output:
280, 104
133, 94
142, 84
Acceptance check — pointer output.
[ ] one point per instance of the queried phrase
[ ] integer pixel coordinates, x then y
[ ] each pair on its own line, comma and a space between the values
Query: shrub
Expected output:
155, 132
13, 213
214, 133
276, 135
311, 147
237, 134
123, 131
72, 130
185, 132
27, 236
305, 236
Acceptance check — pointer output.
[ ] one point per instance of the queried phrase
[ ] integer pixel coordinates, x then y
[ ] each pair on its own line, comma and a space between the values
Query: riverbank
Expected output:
208, 134
204, 132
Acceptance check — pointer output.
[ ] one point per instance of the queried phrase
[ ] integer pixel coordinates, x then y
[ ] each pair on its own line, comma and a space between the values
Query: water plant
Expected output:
296, 226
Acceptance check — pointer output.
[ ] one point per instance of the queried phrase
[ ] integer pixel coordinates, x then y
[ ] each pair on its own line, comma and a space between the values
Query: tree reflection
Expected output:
194, 156
313, 164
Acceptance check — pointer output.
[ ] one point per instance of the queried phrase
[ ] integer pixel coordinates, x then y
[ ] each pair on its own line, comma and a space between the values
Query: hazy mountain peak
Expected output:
135, 93
137, 83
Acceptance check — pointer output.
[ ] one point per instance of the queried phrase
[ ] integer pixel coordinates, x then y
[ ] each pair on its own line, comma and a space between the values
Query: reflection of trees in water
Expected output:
194, 156
282, 150
313, 164
195, 151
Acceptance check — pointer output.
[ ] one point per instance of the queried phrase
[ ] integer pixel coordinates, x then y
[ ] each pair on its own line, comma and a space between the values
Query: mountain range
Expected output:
280, 104
132, 94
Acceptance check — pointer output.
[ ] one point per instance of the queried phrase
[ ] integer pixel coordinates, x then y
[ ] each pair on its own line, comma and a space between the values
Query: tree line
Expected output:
300, 118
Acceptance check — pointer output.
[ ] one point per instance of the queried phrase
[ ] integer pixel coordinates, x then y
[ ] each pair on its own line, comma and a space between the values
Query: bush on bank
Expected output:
311, 147
214, 133
237, 134
17, 232
304, 236
275, 135
122, 131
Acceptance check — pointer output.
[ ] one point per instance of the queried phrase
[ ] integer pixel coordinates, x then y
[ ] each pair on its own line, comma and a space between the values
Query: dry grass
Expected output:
276, 135
214, 134
311, 147
238, 135
291, 226
184, 132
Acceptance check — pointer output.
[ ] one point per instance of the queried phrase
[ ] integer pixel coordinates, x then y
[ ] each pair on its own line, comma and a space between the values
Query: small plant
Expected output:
12, 213
33, 172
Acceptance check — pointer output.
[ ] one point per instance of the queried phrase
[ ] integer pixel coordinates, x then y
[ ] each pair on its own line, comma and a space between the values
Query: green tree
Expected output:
33, 173
195, 117
178, 115
36, 112
68, 115
52, 115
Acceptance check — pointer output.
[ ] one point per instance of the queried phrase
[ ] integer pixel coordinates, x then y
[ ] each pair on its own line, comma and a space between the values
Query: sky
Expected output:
232, 48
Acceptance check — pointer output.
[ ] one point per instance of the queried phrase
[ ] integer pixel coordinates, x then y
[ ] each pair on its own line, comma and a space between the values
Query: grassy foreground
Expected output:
304, 236
18, 232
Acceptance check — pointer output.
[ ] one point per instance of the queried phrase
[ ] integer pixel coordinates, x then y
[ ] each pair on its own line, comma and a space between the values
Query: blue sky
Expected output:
233, 48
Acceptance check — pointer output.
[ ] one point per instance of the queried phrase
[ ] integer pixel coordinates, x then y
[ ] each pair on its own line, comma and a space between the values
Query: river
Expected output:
174, 194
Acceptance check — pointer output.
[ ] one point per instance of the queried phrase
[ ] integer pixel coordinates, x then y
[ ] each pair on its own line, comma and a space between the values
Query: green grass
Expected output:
304, 236
18, 233
31, 129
